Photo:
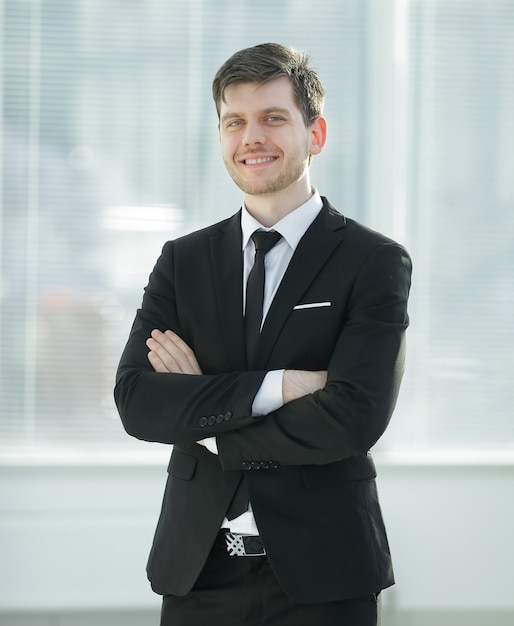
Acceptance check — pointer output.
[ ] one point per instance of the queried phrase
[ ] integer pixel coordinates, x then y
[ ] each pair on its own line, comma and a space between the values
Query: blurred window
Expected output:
109, 147
459, 197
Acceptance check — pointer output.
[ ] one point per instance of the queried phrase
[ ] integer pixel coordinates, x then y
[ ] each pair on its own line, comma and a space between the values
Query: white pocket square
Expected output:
312, 305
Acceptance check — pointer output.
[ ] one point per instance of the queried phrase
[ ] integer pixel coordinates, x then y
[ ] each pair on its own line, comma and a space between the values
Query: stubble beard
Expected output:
288, 177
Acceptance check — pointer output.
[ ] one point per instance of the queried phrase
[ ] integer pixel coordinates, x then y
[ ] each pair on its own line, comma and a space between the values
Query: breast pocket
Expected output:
312, 311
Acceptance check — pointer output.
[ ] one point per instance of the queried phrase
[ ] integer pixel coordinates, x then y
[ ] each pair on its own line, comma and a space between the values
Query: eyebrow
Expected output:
233, 115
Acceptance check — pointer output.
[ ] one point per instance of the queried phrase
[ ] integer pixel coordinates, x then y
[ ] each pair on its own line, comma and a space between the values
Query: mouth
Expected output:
259, 160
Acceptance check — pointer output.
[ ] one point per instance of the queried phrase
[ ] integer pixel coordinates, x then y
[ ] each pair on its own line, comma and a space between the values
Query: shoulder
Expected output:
360, 239
197, 239
366, 234
353, 230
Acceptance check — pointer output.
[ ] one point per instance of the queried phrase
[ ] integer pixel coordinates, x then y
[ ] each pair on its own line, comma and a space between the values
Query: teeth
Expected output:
256, 161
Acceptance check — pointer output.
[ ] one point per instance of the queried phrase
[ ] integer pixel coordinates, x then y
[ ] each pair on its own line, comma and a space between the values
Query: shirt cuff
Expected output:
269, 397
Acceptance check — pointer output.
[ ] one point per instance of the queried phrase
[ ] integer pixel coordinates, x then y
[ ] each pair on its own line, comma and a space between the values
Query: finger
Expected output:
156, 362
190, 364
170, 352
166, 353
175, 354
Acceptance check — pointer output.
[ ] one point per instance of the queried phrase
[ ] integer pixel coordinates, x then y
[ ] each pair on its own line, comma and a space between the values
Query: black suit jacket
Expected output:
309, 473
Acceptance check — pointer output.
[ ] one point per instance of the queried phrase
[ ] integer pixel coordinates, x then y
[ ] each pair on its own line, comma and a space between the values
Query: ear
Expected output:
318, 135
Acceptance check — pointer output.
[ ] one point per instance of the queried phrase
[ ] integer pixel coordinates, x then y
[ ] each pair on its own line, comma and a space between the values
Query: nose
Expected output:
254, 134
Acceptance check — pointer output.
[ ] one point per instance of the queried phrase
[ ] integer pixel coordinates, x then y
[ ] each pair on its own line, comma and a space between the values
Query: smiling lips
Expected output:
259, 160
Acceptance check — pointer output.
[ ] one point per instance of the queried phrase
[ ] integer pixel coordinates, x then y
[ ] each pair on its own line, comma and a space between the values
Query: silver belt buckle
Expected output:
236, 545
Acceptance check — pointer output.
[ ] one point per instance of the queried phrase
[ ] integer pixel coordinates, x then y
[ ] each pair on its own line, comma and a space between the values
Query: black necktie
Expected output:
264, 241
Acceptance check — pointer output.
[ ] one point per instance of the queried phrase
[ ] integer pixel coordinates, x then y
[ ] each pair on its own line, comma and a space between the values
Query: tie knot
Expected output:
265, 240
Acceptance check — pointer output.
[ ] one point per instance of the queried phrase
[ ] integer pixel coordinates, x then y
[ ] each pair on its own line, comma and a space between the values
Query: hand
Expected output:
299, 383
170, 354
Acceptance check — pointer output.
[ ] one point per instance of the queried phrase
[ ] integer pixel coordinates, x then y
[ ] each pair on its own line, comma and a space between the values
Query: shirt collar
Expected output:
292, 227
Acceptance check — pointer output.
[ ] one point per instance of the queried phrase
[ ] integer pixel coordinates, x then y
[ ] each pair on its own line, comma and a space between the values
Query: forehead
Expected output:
240, 98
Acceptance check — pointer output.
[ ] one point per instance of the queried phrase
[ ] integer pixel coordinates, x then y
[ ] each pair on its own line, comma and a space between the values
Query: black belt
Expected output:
244, 545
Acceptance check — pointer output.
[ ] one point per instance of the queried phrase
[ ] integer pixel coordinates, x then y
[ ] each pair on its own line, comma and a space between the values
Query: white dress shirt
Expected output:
292, 227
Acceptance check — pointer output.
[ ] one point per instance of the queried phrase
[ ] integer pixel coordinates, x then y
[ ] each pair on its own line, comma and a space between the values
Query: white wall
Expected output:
75, 536
450, 529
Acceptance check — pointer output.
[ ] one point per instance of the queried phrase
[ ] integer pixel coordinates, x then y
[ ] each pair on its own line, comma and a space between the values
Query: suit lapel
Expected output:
315, 248
227, 267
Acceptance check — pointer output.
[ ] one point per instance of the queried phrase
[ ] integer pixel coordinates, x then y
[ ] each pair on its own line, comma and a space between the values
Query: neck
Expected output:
268, 209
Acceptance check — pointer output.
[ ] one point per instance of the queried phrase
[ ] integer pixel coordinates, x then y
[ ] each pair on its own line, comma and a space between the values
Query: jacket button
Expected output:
274, 464
211, 420
220, 419
203, 421
264, 465
246, 465
255, 465
227, 416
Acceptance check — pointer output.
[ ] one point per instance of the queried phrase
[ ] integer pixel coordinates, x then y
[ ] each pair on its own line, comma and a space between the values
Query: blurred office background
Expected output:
109, 147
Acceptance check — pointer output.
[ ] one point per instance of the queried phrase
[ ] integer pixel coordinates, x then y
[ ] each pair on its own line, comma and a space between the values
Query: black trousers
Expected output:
243, 591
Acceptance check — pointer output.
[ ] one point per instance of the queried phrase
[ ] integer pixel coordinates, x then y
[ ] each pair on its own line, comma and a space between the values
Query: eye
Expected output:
274, 118
234, 123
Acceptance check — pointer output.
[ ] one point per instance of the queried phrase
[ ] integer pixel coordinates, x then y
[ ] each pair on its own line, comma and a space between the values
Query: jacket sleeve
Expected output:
348, 416
175, 408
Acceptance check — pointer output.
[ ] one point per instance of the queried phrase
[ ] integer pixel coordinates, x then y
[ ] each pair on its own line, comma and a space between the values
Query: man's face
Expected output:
264, 141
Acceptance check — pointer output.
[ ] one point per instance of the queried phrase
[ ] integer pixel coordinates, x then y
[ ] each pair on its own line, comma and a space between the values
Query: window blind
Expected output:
109, 148
458, 390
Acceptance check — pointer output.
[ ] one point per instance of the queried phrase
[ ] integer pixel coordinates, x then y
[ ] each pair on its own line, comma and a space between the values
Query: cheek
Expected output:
228, 147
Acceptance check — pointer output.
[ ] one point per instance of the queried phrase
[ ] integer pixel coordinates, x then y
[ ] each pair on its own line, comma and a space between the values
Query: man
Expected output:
272, 395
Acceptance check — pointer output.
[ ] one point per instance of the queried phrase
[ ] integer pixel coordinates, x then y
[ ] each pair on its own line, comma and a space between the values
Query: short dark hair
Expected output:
266, 62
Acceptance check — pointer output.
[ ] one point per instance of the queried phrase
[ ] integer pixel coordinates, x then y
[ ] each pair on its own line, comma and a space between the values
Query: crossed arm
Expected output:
323, 417
170, 354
